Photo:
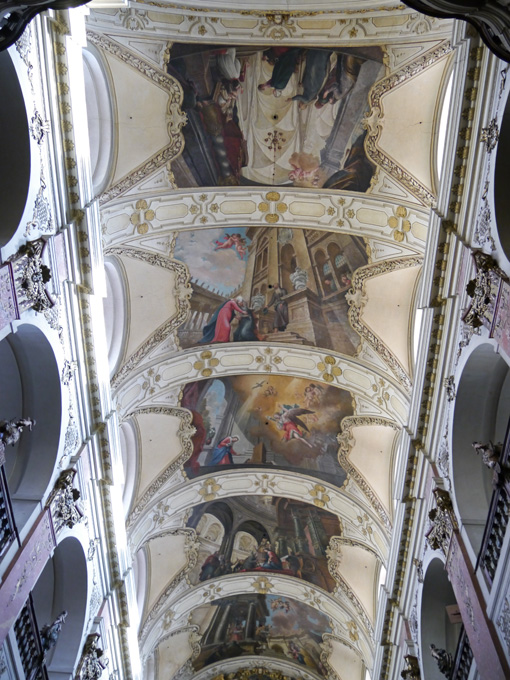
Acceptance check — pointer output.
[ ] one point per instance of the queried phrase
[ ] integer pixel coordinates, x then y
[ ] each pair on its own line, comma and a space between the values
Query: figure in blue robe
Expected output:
222, 454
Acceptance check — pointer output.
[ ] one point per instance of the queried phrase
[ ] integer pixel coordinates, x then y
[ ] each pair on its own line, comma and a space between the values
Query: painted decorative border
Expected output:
185, 432
358, 300
175, 117
191, 550
183, 293
346, 442
346, 27
376, 116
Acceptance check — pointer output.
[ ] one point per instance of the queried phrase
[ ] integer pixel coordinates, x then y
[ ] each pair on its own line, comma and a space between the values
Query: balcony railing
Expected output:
29, 643
463, 658
497, 520
8, 533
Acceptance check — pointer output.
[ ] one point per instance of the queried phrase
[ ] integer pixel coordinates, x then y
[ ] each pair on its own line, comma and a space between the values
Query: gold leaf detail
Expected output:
272, 196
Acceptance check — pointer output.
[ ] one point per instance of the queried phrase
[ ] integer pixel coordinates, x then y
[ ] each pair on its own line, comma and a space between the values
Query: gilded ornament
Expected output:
262, 585
142, 228
209, 489
263, 207
272, 196
272, 218
319, 495
283, 207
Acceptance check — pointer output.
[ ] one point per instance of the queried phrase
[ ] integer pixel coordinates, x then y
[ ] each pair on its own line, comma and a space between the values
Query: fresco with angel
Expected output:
266, 421
279, 115
277, 284
268, 625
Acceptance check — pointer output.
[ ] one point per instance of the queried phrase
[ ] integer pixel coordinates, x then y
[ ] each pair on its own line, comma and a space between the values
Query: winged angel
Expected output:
288, 420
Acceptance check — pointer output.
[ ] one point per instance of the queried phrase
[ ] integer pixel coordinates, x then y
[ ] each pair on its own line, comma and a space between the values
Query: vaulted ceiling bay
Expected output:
260, 318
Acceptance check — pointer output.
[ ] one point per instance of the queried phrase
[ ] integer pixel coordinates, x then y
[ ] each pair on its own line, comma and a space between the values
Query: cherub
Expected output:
270, 391
235, 241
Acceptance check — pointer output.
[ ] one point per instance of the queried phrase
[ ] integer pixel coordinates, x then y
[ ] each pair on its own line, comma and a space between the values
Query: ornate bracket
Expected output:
63, 502
484, 289
412, 672
444, 522
92, 662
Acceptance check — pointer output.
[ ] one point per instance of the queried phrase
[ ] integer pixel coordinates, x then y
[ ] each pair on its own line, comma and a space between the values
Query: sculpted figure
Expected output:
443, 659
10, 430
50, 633
490, 453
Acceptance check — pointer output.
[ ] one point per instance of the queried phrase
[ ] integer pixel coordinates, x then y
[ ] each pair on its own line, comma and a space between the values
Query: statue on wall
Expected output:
443, 659
11, 430
490, 454
50, 633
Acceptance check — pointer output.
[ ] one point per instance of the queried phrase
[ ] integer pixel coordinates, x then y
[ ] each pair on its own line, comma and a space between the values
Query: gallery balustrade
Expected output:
8, 532
463, 658
497, 519
29, 643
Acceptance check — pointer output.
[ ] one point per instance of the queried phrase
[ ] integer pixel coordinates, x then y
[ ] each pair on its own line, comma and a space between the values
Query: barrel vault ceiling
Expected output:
263, 441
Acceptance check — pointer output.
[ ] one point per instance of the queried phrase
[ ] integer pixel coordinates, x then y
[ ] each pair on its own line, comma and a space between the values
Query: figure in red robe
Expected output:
218, 328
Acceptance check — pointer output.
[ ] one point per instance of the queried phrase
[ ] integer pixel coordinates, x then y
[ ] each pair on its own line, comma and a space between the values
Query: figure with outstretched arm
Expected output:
288, 420
218, 328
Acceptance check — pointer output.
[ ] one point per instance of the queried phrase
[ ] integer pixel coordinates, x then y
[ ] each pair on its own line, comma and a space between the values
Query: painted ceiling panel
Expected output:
267, 356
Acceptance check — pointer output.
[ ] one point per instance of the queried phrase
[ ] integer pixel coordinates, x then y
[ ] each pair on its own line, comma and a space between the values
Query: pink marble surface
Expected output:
501, 327
24, 571
8, 305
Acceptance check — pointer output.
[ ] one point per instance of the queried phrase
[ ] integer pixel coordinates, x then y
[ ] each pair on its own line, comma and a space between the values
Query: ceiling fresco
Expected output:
261, 534
272, 421
275, 115
263, 253
289, 285
262, 625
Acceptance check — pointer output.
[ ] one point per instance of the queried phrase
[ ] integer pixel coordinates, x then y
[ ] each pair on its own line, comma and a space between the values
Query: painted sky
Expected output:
221, 269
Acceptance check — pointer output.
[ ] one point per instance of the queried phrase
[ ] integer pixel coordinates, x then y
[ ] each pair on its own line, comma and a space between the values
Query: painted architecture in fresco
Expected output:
263, 534
266, 421
267, 625
280, 284
276, 116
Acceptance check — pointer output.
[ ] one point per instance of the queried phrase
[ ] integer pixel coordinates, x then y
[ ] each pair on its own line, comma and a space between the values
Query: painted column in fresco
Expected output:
251, 621
219, 625
273, 270
301, 542
319, 538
